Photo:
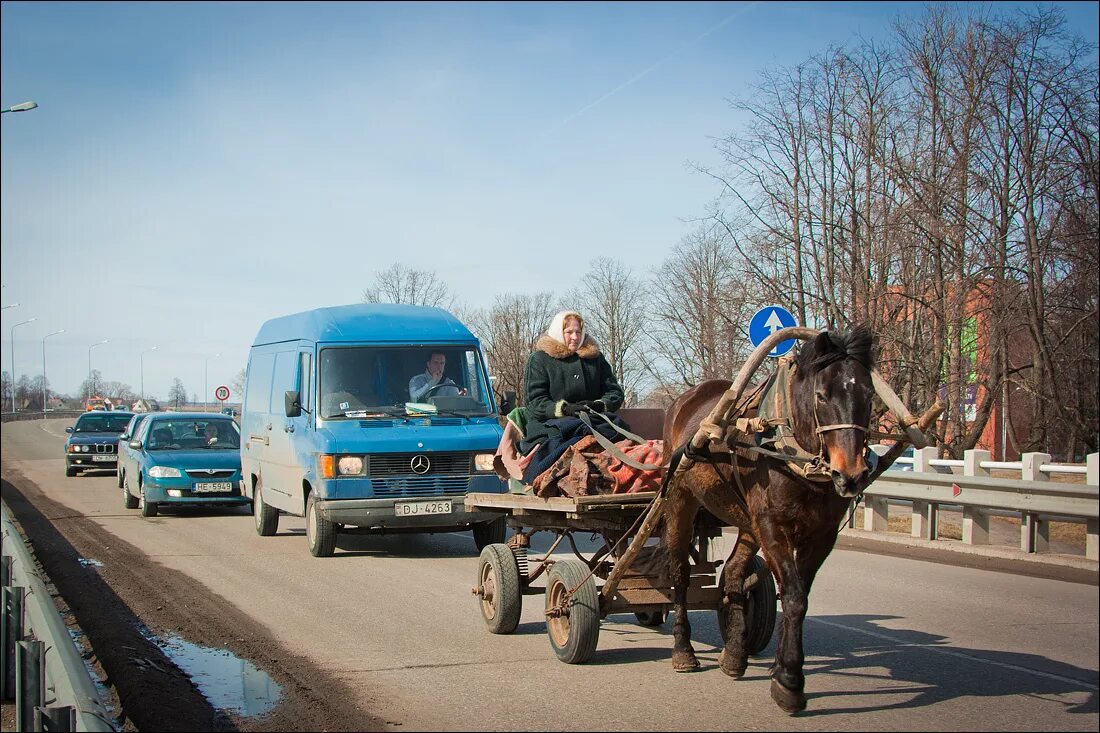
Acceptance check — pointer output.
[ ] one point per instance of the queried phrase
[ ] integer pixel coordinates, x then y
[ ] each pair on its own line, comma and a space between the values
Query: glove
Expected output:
595, 405
570, 409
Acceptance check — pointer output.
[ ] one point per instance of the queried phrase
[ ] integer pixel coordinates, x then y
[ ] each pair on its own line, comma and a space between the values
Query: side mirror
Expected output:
124, 436
507, 402
69, 429
135, 444
292, 404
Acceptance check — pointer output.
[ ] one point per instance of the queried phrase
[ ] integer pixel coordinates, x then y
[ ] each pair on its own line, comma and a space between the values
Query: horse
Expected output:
794, 520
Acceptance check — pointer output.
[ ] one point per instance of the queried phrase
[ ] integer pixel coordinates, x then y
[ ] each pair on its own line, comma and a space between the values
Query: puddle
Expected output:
89, 562
227, 681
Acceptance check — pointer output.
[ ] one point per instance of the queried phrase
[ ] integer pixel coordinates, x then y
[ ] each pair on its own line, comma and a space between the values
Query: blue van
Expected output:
343, 424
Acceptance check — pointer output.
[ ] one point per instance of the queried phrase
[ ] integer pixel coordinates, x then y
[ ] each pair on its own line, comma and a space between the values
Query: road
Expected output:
891, 643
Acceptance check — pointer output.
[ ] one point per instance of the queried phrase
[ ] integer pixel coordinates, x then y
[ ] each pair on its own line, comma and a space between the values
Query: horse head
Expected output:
832, 393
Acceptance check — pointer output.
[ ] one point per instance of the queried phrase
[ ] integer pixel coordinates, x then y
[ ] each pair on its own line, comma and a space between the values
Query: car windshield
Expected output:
194, 434
358, 382
102, 423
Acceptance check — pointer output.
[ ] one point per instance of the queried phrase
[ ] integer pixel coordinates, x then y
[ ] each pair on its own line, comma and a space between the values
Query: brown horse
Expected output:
794, 520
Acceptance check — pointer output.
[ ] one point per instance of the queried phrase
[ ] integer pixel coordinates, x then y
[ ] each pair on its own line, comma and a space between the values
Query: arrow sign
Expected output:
767, 321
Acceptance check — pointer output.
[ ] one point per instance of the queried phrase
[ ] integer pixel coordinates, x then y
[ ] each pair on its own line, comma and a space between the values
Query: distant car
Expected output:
93, 441
182, 459
907, 466
229, 411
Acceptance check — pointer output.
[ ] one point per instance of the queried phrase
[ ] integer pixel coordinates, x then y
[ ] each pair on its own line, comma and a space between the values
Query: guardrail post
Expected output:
1092, 526
5, 570
925, 515
876, 512
11, 631
30, 681
55, 718
975, 529
1034, 530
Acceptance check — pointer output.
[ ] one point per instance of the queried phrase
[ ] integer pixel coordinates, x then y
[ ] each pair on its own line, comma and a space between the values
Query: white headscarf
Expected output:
557, 326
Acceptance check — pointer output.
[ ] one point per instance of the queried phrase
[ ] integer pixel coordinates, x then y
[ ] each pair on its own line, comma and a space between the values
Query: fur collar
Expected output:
556, 349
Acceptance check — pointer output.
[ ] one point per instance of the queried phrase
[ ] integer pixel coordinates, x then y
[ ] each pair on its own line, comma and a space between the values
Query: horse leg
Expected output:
734, 659
680, 510
788, 679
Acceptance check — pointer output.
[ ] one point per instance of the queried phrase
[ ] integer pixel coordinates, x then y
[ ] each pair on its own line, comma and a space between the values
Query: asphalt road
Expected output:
891, 643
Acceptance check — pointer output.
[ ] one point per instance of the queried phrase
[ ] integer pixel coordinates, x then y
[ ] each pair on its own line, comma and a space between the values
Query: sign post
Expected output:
767, 321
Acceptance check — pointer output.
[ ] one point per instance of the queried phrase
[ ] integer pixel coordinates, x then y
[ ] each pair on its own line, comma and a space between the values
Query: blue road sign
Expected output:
767, 321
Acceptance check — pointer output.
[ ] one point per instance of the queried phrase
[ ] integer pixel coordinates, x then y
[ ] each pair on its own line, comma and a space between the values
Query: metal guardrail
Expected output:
936, 482
40, 666
39, 415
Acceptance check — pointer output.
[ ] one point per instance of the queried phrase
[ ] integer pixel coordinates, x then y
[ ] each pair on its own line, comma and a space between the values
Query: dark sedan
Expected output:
93, 441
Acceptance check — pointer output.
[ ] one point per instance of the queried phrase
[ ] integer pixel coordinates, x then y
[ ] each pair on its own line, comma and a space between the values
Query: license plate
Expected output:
102, 459
213, 486
416, 508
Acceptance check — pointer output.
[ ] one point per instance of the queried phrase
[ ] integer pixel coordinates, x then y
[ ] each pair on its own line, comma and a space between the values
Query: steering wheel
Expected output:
431, 390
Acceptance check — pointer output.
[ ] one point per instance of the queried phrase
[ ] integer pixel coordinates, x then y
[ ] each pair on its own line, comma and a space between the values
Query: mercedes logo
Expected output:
420, 464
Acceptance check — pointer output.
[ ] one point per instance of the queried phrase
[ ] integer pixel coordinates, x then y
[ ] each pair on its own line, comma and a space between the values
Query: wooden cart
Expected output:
634, 573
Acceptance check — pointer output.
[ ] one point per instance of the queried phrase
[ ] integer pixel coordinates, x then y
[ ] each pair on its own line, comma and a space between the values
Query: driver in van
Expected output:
432, 383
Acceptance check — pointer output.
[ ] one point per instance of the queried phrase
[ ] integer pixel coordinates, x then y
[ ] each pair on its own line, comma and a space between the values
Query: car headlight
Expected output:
164, 472
349, 466
483, 461
85, 449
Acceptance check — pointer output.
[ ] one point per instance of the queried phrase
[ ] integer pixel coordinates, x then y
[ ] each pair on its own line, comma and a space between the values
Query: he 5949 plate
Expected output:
417, 508
212, 486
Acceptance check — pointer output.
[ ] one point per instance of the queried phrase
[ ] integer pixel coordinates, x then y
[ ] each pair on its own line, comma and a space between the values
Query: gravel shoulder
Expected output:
111, 604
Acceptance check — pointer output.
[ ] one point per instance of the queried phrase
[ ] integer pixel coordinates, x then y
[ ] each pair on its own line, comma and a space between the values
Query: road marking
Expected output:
44, 430
959, 655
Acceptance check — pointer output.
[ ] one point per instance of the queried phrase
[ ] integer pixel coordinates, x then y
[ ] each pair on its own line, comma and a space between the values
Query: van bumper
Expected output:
380, 513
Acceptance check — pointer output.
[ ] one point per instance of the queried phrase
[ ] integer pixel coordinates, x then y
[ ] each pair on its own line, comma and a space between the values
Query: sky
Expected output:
195, 169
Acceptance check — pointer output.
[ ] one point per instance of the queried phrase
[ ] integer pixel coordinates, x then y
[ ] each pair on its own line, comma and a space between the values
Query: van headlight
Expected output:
483, 461
349, 466
164, 472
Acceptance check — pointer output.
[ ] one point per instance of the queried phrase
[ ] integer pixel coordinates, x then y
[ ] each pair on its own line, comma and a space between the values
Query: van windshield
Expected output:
377, 381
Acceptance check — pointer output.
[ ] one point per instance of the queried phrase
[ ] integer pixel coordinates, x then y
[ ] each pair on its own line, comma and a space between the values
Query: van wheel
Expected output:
118, 475
490, 533
320, 532
267, 517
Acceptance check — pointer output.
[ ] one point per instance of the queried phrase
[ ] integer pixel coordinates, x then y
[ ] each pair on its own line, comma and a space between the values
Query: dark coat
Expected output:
555, 376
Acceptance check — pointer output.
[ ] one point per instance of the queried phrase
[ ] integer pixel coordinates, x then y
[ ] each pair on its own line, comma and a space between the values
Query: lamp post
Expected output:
29, 320
91, 382
21, 107
142, 358
44, 368
206, 381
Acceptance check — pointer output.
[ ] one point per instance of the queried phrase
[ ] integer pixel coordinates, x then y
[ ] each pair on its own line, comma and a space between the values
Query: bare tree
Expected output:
177, 393
400, 284
508, 330
613, 304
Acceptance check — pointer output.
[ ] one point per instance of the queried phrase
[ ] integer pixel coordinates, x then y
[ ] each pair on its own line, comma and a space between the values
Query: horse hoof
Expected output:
787, 699
684, 663
731, 666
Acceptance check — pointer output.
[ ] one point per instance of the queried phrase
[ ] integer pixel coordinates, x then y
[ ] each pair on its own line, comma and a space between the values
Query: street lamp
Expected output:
142, 359
206, 381
31, 320
21, 107
44, 368
91, 382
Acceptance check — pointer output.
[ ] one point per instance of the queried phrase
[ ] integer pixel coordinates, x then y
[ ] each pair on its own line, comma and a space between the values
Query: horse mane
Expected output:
829, 348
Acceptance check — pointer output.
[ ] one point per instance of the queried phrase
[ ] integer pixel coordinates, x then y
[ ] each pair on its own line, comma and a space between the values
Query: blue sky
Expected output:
194, 169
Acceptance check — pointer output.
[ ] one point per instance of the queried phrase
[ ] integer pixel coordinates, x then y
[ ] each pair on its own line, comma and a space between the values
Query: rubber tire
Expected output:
266, 517
148, 508
118, 476
573, 638
760, 610
490, 533
498, 565
651, 618
128, 500
320, 533
70, 471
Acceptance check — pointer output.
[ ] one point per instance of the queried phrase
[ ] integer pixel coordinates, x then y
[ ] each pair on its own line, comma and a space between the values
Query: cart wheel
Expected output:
575, 628
498, 581
652, 618
759, 609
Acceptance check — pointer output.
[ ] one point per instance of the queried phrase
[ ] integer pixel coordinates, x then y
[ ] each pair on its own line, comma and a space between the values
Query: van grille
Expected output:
421, 486
400, 464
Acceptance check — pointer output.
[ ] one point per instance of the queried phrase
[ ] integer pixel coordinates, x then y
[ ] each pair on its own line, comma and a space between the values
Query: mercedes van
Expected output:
344, 423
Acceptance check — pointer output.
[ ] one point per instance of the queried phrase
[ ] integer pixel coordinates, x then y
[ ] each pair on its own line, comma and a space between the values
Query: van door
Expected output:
283, 471
254, 415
